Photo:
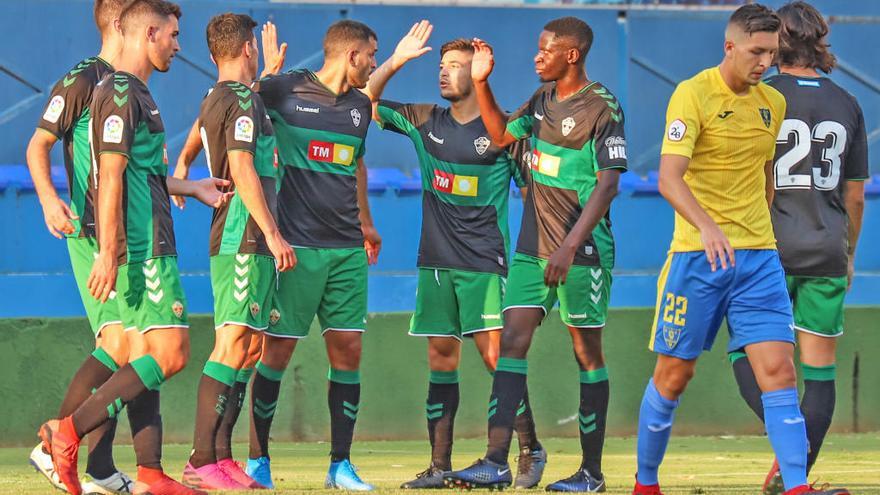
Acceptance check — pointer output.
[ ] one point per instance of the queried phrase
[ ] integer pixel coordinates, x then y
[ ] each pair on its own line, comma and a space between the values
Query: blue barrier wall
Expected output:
639, 54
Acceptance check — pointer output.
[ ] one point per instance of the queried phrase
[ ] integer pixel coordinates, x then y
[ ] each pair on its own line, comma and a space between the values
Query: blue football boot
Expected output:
481, 474
343, 475
581, 481
260, 470
530, 467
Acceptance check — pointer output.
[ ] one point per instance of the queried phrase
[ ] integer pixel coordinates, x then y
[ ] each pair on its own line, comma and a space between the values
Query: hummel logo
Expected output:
539, 116
154, 112
435, 138
723, 115
502, 472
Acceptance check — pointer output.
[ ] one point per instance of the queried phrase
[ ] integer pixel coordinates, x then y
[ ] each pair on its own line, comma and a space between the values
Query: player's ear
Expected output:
573, 55
117, 25
212, 59
151, 33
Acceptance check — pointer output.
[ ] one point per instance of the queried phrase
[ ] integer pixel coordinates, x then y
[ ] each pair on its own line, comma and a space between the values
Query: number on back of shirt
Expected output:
829, 135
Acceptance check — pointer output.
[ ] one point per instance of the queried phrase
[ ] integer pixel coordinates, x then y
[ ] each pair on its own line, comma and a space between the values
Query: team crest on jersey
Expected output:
356, 117
567, 126
765, 116
481, 144
244, 129
255, 309
274, 317
113, 129
53, 111
177, 308
671, 335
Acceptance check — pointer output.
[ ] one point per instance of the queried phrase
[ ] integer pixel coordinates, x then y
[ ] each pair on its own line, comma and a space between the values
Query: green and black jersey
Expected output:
320, 137
126, 121
571, 141
232, 118
466, 184
66, 116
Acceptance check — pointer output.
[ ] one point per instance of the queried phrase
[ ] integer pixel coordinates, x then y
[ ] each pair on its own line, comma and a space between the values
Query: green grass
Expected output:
717, 465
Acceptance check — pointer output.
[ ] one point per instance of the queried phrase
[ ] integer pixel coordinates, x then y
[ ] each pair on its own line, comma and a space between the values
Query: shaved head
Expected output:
750, 19
140, 12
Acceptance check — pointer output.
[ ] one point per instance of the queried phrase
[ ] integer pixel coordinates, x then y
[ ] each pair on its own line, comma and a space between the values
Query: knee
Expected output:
277, 352
490, 358
172, 356
347, 353
671, 382
441, 358
778, 373
116, 347
230, 347
514, 344
255, 350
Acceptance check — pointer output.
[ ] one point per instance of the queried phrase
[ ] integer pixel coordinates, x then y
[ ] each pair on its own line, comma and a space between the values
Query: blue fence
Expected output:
639, 53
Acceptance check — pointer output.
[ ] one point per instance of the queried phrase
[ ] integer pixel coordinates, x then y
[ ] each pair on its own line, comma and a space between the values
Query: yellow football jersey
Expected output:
728, 138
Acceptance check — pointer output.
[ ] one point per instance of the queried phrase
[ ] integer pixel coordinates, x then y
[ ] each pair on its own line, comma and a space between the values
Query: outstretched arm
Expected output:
411, 46
273, 55
191, 149
493, 118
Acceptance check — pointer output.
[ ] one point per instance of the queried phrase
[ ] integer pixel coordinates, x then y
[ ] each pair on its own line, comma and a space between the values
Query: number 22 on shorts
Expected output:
675, 309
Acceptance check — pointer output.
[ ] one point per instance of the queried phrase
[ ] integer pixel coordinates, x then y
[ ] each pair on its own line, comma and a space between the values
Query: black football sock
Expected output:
817, 406
343, 399
748, 384
592, 414
223, 443
146, 429
213, 396
508, 388
524, 424
126, 384
264, 400
440, 409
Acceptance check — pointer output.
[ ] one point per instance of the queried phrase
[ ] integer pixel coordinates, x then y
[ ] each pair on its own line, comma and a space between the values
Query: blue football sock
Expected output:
788, 435
655, 426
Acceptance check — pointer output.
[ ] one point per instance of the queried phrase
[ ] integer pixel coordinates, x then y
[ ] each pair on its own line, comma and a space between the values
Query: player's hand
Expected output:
273, 55
413, 44
718, 249
483, 61
285, 257
102, 279
181, 171
58, 217
850, 271
558, 265
372, 244
209, 192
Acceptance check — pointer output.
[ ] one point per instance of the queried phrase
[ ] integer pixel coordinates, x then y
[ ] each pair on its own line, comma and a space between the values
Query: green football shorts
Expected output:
453, 303
328, 282
583, 299
83, 251
150, 295
817, 303
243, 286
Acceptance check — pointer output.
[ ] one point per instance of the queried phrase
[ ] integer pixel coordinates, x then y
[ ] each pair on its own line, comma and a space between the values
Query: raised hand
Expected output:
483, 61
412, 45
273, 55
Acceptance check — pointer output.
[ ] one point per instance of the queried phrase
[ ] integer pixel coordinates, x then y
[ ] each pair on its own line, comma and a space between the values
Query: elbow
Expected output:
663, 187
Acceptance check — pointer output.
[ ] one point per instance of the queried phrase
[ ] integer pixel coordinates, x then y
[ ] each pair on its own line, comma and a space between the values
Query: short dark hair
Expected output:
458, 44
107, 11
342, 33
755, 18
575, 28
802, 41
140, 8
227, 33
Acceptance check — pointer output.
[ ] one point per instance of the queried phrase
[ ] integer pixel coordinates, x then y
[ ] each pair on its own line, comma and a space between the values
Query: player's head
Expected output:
563, 45
107, 16
751, 41
353, 44
152, 25
231, 37
803, 38
455, 69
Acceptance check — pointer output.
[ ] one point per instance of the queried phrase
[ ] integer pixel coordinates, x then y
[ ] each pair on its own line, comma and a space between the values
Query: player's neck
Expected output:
135, 62
110, 49
799, 71
333, 77
465, 110
738, 86
571, 83
233, 70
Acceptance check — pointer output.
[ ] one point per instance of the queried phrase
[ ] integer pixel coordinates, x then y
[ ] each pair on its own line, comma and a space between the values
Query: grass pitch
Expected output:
694, 465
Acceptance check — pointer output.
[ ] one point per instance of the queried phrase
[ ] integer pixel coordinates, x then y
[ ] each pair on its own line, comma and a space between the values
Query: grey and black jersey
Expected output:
821, 145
